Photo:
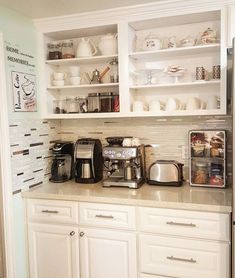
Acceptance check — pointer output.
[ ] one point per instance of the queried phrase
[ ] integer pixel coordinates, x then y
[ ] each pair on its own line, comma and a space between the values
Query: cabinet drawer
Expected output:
105, 215
184, 258
52, 211
185, 223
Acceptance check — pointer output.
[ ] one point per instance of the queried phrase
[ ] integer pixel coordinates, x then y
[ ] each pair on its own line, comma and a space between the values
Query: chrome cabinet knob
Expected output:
72, 233
81, 234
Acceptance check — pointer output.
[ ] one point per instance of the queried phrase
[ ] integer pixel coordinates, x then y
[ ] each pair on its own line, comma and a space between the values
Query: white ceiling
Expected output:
48, 8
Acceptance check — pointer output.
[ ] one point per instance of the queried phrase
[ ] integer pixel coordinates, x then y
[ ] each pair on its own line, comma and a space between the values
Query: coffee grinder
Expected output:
62, 164
88, 160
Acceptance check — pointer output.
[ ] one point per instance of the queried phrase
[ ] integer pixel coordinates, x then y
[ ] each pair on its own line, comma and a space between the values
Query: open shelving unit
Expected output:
132, 58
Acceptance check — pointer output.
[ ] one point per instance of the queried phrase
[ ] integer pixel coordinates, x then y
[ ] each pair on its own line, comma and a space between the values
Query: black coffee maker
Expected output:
88, 160
62, 164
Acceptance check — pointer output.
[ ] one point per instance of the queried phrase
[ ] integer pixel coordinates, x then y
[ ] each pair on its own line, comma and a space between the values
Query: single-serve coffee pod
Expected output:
138, 106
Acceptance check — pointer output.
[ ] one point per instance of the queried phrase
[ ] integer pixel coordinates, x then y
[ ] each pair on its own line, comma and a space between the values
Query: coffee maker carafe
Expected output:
62, 164
88, 160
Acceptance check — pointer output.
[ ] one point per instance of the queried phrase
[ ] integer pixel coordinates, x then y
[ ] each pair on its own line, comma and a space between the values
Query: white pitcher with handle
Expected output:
86, 48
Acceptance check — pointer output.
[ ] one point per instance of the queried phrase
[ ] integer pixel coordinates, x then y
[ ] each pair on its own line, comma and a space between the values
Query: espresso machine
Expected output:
124, 165
62, 164
88, 160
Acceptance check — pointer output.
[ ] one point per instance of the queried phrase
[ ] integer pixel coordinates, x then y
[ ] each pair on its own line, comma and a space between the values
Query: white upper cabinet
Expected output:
156, 72
164, 56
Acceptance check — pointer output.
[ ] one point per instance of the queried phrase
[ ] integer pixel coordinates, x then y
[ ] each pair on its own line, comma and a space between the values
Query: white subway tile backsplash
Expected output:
31, 141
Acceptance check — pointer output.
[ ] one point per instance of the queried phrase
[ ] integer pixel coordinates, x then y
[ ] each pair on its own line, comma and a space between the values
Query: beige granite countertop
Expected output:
185, 197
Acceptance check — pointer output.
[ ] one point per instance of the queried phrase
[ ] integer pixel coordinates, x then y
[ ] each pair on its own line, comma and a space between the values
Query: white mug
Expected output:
75, 80
138, 106
127, 142
194, 103
155, 105
172, 104
74, 71
212, 102
59, 75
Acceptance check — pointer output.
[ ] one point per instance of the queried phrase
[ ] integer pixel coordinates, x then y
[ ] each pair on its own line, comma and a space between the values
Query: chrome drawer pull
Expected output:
182, 260
181, 224
104, 216
49, 211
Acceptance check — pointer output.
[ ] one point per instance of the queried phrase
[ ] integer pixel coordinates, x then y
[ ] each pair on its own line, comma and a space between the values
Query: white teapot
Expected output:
108, 44
151, 42
86, 48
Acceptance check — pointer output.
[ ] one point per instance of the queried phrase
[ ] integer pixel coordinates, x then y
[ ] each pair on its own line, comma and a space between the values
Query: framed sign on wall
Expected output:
24, 91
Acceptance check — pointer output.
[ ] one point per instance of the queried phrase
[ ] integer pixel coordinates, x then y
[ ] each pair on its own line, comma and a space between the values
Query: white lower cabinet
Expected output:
101, 241
106, 254
53, 251
183, 258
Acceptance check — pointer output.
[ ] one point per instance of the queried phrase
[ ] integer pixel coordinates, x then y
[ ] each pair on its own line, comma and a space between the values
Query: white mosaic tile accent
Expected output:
169, 136
31, 142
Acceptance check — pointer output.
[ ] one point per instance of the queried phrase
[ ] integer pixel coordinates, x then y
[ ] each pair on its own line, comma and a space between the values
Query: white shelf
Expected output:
198, 112
82, 60
179, 51
83, 115
199, 83
95, 86
201, 112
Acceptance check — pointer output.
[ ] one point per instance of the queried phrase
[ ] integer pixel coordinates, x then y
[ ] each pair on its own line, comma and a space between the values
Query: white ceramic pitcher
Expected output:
108, 44
86, 48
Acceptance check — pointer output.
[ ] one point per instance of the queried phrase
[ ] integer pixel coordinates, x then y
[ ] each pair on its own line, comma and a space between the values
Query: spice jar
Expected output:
93, 102
54, 51
106, 102
115, 102
67, 49
201, 173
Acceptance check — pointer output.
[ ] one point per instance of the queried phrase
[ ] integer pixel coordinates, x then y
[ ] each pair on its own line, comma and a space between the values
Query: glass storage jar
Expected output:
82, 104
67, 49
93, 102
114, 78
72, 105
115, 102
54, 51
105, 102
60, 106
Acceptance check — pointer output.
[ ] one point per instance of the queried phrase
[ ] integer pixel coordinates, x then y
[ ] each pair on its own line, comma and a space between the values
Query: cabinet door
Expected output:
53, 251
231, 25
106, 254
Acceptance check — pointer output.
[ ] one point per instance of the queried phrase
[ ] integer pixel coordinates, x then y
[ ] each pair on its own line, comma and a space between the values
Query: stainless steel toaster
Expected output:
166, 172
